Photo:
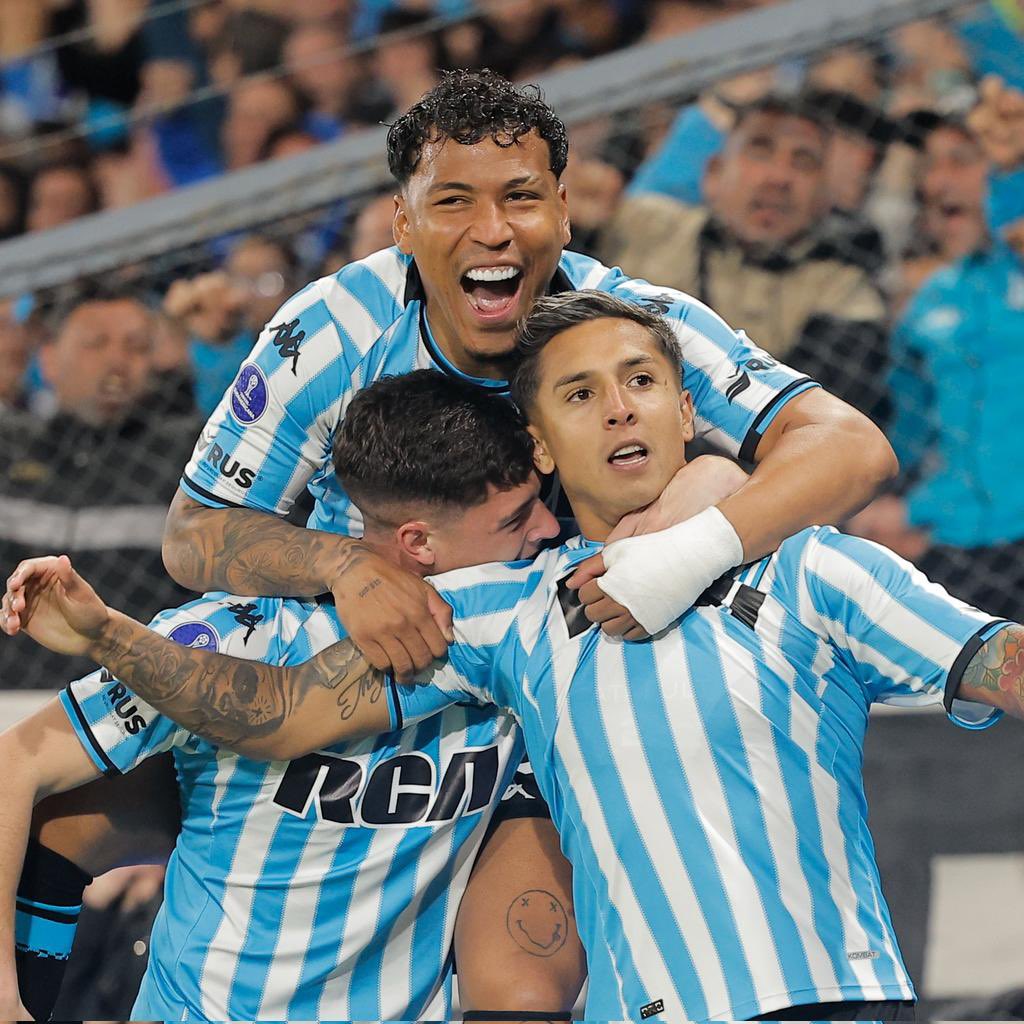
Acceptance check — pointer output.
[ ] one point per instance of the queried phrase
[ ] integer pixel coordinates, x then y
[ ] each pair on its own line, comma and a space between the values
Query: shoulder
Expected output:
361, 301
496, 585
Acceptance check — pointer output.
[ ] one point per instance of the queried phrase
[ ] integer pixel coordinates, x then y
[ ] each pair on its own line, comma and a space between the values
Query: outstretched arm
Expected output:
393, 617
257, 710
995, 675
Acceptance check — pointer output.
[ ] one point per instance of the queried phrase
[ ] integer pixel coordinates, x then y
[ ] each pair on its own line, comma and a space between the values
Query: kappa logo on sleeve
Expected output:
249, 394
198, 635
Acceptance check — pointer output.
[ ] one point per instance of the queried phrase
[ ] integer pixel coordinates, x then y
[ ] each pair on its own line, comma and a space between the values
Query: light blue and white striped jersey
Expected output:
707, 783
271, 435
320, 888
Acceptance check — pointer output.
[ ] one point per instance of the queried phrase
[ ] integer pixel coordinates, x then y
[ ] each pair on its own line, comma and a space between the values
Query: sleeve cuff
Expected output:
764, 418
966, 713
85, 735
203, 496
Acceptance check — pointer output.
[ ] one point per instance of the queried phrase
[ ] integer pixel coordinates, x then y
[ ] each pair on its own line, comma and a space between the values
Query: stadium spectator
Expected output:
371, 230
324, 76
225, 310
58, 194
15, 353
951, 185
595, 188
256, 108
957, 360
95, 478
404, 68
757, 254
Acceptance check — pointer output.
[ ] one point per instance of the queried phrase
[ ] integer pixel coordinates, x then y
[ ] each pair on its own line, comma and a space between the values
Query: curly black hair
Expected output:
467, 106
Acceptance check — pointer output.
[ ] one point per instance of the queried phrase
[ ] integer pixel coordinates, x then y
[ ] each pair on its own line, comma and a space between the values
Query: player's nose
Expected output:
491, 226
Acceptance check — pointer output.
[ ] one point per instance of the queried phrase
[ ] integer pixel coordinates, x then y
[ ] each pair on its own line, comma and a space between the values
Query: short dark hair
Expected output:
776, 105
554, 314
429, 438
467, 106
54, 306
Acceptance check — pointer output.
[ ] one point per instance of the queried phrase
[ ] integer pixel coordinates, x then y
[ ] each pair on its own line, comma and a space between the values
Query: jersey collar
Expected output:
560, 282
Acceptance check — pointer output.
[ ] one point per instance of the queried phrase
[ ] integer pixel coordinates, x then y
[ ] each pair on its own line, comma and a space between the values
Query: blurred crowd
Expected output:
853, 213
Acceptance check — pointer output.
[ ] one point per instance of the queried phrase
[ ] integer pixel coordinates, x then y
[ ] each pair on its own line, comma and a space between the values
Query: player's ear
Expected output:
400, 226
686, 407
541, 457
414, 542
563, 199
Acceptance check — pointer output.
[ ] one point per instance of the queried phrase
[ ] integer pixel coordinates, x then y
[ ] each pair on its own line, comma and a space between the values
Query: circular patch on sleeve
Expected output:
200, 635
249, 394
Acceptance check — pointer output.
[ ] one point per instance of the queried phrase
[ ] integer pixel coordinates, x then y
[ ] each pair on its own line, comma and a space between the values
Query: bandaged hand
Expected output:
658, 576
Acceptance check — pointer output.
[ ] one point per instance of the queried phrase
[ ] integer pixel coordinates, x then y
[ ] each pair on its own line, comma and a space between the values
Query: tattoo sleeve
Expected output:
247, 552
995, 675
255, 709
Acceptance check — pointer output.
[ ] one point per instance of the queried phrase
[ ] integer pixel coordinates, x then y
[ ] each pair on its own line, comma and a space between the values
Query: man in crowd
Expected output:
706, 783
56, 477
757, 252
480, 221
957, 356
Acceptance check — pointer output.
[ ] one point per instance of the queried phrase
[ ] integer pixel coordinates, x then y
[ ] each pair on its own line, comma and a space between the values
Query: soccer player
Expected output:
480, 222
706, 783
325, 886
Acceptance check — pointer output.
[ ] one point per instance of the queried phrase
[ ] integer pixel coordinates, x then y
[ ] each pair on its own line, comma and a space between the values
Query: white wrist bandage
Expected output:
658, 576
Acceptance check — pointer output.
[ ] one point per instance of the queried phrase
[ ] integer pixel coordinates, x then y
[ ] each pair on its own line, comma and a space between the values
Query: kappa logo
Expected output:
199, 635
243, 614
249, 394
287, 340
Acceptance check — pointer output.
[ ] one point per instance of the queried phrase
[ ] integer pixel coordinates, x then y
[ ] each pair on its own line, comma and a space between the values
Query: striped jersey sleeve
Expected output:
738, 389
488, 653
119, 730
272, 432
906, 638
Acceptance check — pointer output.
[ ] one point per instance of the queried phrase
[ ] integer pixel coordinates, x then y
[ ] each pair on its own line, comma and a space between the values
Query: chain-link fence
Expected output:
810, 201
805, 168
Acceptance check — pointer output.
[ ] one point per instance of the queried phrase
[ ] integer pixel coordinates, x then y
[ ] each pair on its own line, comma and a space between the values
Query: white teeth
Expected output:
492, 273
630, 449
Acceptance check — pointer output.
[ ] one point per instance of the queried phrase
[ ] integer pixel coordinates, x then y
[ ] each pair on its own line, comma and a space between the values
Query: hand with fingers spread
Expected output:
396, 619
47, 599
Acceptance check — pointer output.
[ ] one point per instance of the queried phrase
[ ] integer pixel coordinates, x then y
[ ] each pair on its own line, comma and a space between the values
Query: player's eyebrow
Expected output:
454, 186
625, 364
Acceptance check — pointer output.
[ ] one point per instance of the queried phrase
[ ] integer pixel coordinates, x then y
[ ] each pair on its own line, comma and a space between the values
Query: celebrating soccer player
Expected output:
480, 222
706, 782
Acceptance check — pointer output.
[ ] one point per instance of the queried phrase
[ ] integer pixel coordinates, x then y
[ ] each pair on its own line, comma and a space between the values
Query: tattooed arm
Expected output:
258, 710
995, 675
393, 617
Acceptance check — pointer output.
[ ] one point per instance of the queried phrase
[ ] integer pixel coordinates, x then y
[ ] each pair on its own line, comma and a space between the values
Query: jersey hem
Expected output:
80, 726
842, 994
768, 413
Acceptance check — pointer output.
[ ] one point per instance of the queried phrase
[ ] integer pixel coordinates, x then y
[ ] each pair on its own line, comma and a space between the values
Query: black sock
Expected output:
49, 902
